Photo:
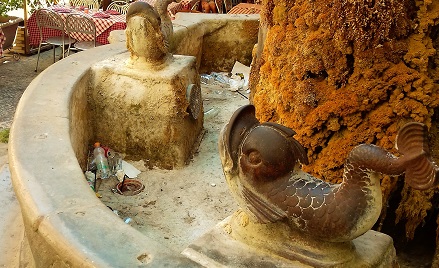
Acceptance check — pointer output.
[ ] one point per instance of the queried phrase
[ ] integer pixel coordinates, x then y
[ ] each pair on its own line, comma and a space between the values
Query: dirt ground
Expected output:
177, 206
15, 76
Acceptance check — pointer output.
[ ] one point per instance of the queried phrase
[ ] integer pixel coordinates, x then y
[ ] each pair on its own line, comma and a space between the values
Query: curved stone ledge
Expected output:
65, 223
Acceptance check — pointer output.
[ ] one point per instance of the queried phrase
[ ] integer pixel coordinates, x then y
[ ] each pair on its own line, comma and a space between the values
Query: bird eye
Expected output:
254, 158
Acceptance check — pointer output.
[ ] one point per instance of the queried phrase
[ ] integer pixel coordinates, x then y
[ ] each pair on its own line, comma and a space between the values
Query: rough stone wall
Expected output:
345, 72
219, 53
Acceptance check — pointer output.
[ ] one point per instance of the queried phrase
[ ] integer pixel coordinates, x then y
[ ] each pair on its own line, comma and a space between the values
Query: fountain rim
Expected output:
69, 225
64, 219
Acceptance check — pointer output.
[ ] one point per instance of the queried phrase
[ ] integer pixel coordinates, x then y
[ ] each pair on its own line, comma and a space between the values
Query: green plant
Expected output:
9, 5
33, 5
4, 135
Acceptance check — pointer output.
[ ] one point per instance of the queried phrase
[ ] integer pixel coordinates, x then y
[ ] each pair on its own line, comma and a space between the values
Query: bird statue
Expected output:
161, 6
262, 166
145, 39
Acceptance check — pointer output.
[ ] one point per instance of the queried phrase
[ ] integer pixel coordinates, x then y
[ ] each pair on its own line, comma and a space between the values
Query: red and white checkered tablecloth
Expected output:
2, 41
103, 28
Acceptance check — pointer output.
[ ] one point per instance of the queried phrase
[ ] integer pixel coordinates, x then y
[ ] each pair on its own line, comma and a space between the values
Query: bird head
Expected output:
145, 39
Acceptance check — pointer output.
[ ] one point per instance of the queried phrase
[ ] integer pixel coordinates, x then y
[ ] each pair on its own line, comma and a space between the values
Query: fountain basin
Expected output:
65, 223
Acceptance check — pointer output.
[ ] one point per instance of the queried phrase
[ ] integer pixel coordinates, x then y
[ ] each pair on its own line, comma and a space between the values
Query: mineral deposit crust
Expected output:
341, 73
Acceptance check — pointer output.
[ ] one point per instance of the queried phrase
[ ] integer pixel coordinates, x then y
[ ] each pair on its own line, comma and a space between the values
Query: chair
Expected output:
8, 30
80, 24
230, 3
196, 6
91, 4
48, 19
119, 6
219, 6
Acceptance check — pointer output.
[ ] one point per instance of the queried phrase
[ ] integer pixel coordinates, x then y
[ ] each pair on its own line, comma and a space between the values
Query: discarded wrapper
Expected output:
130, 170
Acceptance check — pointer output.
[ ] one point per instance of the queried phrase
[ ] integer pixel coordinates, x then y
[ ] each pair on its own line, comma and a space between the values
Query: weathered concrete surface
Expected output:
11, 224
15, 77
211, 38
65, 224
143, 111
219, 248
217, 40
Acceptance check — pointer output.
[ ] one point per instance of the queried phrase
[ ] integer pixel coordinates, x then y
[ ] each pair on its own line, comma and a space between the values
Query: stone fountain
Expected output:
66, 225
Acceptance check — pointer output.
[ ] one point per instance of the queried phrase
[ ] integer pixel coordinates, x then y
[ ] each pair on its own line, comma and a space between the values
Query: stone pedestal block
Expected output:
220, 248
146, 111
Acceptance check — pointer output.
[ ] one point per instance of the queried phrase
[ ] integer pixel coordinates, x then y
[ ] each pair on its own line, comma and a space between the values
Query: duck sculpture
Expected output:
262, 166
146, 38
161, 6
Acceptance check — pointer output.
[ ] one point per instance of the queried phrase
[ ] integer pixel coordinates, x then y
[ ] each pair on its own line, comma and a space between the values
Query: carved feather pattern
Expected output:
412, 141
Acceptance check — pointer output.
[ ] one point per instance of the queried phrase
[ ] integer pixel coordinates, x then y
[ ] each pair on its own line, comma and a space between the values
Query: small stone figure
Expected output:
261, 163
161, 6
145, 39
153, 94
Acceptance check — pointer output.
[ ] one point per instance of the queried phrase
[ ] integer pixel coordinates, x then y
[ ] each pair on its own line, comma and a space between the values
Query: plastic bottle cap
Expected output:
97, 144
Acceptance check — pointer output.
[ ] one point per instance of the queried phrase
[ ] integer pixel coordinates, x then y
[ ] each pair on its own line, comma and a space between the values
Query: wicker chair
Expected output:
119, 6
91, 4
78, 23
47, 18
219, 6
228, 4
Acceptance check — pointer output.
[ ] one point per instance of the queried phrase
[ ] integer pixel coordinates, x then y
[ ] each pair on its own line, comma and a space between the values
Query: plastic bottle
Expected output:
101, 161
206, 79
220, 78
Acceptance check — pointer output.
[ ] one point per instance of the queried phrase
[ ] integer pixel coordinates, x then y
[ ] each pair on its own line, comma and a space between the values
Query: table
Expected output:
103, 28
